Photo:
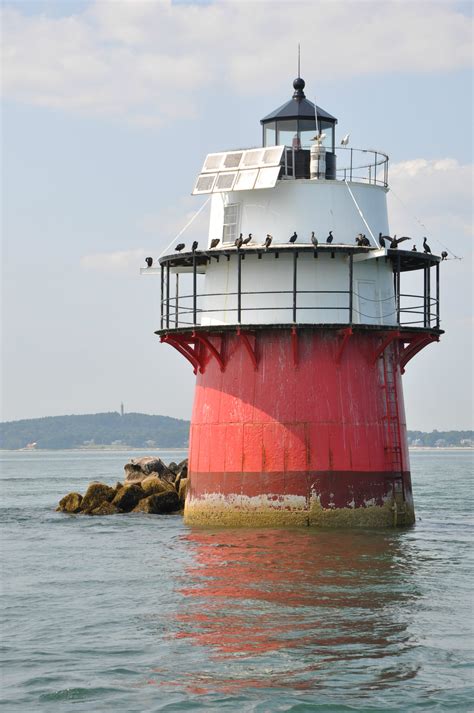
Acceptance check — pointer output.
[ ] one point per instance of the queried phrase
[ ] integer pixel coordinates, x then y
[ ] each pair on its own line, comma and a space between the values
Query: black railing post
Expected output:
375, 169
167, 295
295, 281
162, 294
350, 176
437, 295
428, 295
176, 299
398, 288
194, 292
351, 286
239, 287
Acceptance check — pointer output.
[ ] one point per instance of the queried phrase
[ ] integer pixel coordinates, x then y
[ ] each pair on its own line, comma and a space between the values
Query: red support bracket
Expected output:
185, 349
252, 351
391, 336
212, 349
346, 334
416, 345
294, 345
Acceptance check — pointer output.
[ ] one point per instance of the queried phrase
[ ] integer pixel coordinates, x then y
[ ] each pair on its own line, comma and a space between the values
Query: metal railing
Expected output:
347, 164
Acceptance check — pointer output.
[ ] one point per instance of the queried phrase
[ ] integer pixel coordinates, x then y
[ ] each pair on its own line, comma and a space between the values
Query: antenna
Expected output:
299, 60
316, 116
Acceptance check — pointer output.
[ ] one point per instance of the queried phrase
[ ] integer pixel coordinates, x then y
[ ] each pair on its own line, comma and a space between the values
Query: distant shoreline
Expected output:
181, 449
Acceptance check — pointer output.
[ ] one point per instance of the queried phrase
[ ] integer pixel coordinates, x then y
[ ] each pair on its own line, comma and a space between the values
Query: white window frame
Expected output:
233, 226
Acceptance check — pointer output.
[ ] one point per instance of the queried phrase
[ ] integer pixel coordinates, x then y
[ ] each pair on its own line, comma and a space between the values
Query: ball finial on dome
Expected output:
298, 85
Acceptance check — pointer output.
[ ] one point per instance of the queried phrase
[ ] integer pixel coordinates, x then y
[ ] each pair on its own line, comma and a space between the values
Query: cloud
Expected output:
146, 62
120, 261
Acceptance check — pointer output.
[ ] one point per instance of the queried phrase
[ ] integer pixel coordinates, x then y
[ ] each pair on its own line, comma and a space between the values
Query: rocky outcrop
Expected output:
70, 503
95, 495
150, 486
159, 503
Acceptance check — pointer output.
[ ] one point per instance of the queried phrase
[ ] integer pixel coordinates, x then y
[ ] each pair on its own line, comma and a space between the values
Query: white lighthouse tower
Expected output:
293, 317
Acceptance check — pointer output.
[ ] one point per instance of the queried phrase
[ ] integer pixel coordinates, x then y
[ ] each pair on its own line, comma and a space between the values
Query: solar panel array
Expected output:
240, 170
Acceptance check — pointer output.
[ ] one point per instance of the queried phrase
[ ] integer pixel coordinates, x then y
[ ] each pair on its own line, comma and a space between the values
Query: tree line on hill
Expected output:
138, 430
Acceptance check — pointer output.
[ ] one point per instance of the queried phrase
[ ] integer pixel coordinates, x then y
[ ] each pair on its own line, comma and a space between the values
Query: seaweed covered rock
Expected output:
152, 484
138, 469
95, 495
127, 497
70, 503
159, 503
105, 508
181, 473
183, 489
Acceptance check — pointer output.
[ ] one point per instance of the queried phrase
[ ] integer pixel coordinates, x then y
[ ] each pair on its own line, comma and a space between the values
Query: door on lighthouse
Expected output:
369, 304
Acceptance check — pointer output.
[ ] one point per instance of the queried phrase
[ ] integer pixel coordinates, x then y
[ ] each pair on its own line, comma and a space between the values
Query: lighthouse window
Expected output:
231, 222
270, 134
286, 132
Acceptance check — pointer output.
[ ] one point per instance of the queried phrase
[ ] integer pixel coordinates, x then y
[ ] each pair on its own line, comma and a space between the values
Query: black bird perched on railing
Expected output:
359, 239
194, 246
396, 241
293, 237
247, 240
268, 240
314, 239
149, 261
179, 247
414, 250
444, 255
365, 241
214, 243
238, 243
426, 247
330, 237
383, 238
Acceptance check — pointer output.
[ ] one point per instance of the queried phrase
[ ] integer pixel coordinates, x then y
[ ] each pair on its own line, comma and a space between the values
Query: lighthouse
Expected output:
298, 321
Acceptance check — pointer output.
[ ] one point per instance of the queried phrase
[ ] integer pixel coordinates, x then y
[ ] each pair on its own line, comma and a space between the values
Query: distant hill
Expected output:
139, 430
136, 430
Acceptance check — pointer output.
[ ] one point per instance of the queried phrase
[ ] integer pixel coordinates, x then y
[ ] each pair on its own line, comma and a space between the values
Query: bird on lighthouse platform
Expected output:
214, 243
179, 247
293, 237
382, 239
239, 242
247, 239
149, 261
330, 237
314, 239
426, 247
345, 140
268, 240
444, 255
194, 246
396, 241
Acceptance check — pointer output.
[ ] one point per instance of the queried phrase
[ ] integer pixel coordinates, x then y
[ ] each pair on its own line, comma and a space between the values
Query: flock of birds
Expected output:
361, 240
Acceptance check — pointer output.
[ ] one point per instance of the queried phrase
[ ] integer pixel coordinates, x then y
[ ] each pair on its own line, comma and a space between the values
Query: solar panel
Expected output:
254, 168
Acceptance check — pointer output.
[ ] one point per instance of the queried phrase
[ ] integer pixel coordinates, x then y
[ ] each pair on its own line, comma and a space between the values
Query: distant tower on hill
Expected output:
121, 409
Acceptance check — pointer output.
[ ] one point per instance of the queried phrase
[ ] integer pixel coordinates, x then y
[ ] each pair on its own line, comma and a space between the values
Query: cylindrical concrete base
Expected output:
300, 429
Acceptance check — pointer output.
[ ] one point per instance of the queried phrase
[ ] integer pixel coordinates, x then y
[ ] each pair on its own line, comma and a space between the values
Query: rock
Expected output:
159, 503
70, 503
182, 472
139, 468
118, 485
183, 489
105, 508
152, 484
173, 467
95, 495
127, 497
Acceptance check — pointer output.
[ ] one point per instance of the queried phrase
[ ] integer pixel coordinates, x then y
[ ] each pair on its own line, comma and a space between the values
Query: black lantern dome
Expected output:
294, 123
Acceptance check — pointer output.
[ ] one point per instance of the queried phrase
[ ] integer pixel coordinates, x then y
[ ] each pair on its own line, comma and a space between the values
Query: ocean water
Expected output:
140, 613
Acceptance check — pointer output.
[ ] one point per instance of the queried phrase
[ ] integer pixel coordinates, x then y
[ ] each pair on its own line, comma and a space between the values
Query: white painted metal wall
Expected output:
304, 206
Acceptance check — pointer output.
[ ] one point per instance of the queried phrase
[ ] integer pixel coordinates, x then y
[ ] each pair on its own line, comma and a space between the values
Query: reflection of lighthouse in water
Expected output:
298, 345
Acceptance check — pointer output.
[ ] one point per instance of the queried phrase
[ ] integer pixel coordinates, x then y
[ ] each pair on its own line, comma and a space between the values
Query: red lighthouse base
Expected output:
302, 428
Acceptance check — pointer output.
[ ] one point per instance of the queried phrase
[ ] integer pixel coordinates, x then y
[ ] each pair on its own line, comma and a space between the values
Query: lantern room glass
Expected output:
297, 133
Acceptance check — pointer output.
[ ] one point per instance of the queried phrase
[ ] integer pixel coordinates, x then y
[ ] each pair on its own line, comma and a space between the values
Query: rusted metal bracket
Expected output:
294, 345
416, 345
252, 351
346, 334
207, 344
391, 337
183, 347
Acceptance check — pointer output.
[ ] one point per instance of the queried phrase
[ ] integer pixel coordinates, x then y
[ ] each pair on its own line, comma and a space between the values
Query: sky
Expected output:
109, 108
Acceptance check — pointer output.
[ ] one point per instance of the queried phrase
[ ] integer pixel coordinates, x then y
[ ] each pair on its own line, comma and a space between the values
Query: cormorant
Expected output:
293, 237
330, 237
247, 240
314, 239
179, 247
396, 241
214, 243
238, 243
365, 241
149, 261
359, 239
444, 255
268, 240
426, 247
414, 250
194, 246
382, 240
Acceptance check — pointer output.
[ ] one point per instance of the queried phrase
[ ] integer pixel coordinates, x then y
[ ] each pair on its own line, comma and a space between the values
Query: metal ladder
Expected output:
392, 438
